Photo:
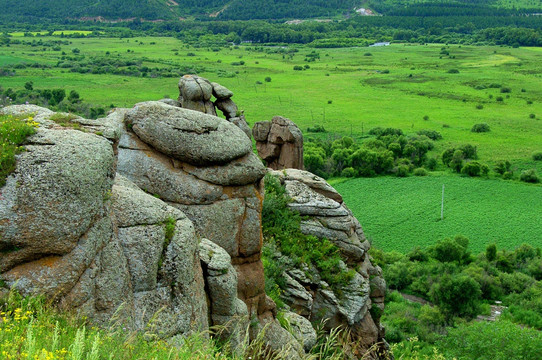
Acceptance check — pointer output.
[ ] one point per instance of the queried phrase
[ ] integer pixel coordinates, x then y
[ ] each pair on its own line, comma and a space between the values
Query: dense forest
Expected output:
250, 10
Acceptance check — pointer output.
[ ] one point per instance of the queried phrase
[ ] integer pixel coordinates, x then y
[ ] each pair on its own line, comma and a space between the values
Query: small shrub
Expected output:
499, 98
317, 129
298, 68
426, 117
420, 172
402, 171
445, 125
479, 106
330, 101
505, 90
537, 156
385, 71
474, 168
502, 166
267, 79
509, 175
532, 116
529, 176
480, 128
529, 102
453, 71
431, 134
431, 164
367, 54
348, 172
13, 133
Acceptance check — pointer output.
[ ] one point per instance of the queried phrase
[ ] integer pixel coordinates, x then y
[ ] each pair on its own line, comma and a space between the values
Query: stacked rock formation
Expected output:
326, 216
78, 222
195, 93
280, 143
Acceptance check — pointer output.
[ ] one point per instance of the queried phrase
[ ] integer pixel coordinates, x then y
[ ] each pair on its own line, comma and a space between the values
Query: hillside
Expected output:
248, 10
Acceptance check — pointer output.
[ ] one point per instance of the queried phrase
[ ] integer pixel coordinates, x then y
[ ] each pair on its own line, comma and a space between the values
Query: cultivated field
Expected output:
401, 213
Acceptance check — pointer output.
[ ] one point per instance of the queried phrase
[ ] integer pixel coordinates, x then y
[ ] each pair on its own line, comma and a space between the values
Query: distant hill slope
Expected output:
14, 10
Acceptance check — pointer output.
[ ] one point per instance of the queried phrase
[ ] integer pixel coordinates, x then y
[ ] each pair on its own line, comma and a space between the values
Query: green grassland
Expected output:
349, 91
362, 96
401, 213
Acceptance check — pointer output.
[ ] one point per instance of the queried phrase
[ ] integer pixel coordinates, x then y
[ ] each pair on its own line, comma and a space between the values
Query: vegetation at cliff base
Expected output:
446, 286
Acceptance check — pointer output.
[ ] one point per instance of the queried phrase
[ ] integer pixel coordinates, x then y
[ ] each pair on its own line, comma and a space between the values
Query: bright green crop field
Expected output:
401, 213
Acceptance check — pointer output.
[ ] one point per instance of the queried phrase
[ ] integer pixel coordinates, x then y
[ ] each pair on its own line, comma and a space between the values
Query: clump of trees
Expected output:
390, 151
463, 285
55, 99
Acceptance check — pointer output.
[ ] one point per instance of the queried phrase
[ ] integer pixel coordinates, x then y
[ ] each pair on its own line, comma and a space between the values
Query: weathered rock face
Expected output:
73, 228
326, 216
195, 93
279, 143
94, 242
215, 181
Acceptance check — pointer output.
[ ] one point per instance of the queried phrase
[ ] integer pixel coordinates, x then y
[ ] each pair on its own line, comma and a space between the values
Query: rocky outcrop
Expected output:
280, 143
195, 93
110, 225
94, 242
359, 304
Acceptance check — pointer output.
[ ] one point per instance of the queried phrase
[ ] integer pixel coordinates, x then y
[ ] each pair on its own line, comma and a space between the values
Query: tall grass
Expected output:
31, 328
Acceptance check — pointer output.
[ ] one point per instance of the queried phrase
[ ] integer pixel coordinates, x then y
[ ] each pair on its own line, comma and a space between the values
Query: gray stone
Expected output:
186, 135
143, 209
219, 222
297, 297
55, 194
221, 92
228, 108
302, 330
242, 124
195, 88
243, 171
156, 174
171, 102
279, 143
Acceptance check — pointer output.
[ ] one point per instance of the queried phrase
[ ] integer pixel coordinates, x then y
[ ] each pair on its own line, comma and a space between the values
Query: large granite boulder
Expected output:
279, 143
89, 239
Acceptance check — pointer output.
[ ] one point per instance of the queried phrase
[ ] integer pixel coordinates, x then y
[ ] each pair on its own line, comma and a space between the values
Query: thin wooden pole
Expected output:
442, 206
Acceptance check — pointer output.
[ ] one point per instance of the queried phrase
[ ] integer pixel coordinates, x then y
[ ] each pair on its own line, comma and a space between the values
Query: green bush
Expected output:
431, 134
431, 164
420, 172
453, 71
502, 166
479, 128
500, 340
474, 168
402, 171
281, 229
13, 133
537, 156
457, 296
348, 172
529, 176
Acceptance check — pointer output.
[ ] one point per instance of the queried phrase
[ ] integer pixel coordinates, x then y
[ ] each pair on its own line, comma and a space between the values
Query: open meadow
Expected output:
348, 91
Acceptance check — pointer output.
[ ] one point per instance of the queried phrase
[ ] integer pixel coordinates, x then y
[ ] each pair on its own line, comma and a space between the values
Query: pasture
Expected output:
401, 213
348, 91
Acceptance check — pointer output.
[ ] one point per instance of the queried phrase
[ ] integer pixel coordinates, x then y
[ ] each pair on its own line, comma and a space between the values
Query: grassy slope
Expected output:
400, 213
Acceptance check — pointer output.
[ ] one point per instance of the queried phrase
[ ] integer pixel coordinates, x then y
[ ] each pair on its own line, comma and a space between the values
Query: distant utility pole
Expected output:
442, 206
